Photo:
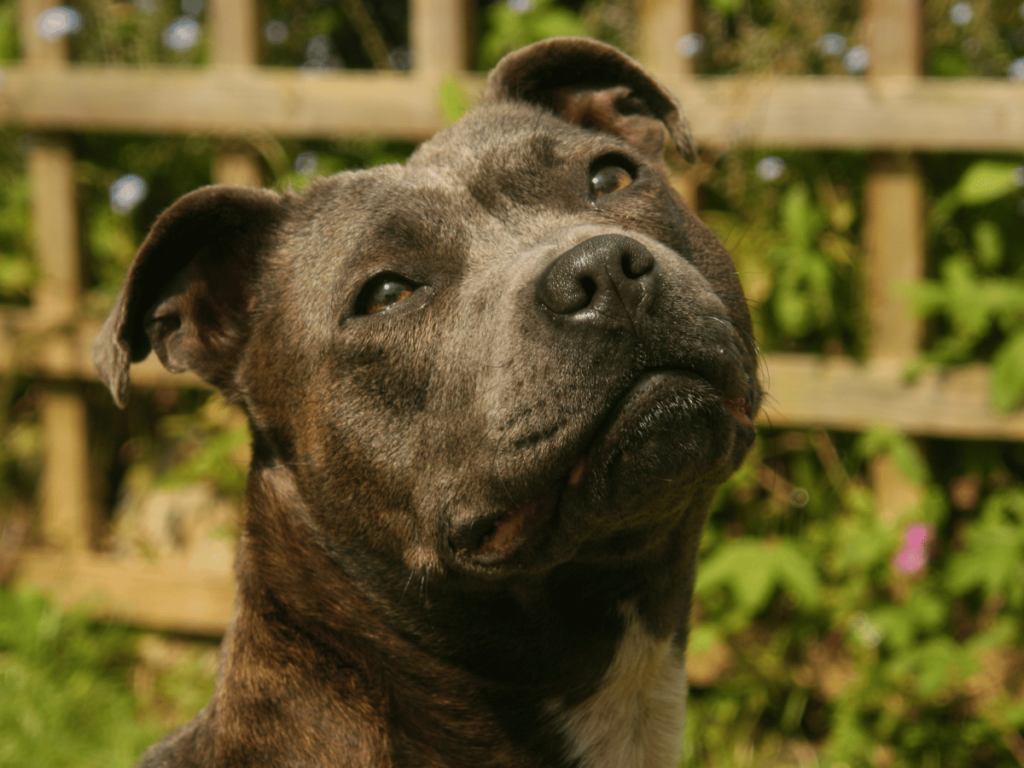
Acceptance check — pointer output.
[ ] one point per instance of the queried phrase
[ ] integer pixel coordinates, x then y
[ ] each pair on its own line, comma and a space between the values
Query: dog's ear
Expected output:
596, 86
187, 295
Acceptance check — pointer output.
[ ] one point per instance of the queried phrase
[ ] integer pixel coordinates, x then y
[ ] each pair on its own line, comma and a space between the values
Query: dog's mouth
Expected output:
496, 541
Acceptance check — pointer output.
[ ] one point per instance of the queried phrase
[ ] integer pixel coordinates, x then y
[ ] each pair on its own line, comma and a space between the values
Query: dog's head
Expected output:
517, 350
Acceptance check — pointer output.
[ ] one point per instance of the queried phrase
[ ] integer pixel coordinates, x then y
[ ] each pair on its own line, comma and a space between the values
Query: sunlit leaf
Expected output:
1007, 385
987, 180
988, 244
453, 99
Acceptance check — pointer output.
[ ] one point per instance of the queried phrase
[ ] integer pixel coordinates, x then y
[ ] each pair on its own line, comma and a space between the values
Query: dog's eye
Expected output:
382, 292
610, 178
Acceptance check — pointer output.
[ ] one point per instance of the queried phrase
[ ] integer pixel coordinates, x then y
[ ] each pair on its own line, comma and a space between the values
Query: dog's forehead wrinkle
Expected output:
496, 130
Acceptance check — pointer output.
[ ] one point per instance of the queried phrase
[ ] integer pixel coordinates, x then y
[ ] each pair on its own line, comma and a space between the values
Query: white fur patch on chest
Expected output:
635, 718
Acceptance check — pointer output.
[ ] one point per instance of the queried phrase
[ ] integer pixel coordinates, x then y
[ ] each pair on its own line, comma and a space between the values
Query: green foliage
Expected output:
795, 241
453, 99
978, 295
766, 36
808, 636
8, 31
992, 561
904, 452
65, 689
17, 271
78, 693
752, 569
131, 33
803, 298
984, 47
212, 444
509, 28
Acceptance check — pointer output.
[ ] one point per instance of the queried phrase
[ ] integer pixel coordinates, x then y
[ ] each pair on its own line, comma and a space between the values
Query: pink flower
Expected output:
913, 557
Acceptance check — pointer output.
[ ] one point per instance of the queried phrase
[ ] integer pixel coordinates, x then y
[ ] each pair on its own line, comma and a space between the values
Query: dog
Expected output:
492, 393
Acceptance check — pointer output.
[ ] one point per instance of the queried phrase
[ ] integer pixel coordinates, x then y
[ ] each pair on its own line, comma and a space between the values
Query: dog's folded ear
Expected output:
595, 86
188, 291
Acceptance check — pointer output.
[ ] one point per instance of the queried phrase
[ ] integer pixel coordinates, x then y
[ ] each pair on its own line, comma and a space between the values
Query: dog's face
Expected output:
517, 350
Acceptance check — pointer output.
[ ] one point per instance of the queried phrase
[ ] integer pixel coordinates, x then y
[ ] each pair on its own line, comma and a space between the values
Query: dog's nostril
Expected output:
600, 273
636, 262
589, 289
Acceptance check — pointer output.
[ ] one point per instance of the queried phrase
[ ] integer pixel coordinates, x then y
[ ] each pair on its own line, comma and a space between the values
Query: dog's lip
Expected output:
731, 385
494, 541
499, 538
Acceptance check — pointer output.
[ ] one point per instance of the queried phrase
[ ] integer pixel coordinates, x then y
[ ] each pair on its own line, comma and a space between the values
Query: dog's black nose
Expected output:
608, 274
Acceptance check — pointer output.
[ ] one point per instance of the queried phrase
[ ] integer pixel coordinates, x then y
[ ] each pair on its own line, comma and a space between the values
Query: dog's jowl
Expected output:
491, 392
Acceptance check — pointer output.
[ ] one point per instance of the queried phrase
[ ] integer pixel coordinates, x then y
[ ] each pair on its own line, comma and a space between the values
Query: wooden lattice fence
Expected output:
892, 112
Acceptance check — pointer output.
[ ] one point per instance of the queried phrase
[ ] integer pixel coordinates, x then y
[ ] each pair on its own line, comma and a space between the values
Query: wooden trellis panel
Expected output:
893, 112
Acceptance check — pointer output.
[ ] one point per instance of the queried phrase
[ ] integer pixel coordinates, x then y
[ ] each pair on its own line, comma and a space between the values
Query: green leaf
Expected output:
992, 561
801, 221
1007, 384
987, 180
752, 569
556, 22
932, 665
948, 62
703, 637
903, 451
895, 624
17, 274
988, 244
726, 7
453, 100
508, 28
796, 574
8, 32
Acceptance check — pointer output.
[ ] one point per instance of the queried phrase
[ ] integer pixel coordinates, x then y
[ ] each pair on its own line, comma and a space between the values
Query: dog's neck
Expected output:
574, 669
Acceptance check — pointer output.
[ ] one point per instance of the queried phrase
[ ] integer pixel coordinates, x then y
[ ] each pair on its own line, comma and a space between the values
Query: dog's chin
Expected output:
671, 434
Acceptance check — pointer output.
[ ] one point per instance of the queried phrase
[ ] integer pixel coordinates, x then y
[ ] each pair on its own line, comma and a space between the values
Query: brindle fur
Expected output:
375, 625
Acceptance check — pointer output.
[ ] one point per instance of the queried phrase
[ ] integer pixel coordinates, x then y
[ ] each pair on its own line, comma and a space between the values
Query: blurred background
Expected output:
861, 595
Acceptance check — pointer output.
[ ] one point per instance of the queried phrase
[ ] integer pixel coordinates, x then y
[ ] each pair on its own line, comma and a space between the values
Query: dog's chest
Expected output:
635, 718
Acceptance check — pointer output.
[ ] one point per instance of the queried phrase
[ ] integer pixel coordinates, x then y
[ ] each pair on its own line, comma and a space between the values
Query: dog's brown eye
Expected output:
382, 292
609, 179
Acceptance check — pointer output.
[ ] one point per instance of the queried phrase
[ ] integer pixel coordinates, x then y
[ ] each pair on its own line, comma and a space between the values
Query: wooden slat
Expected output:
842, 112
166, 100
65, 352
34, 48
661, 23
66, 514
805, 390
237, 166
438, 36
892, 33
837, 393
233, 29
168, 597
233, 33
893, 230
51, 173
894, 245
801, 112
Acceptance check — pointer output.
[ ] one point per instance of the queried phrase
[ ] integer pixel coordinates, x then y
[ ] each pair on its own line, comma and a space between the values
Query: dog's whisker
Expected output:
407, 583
